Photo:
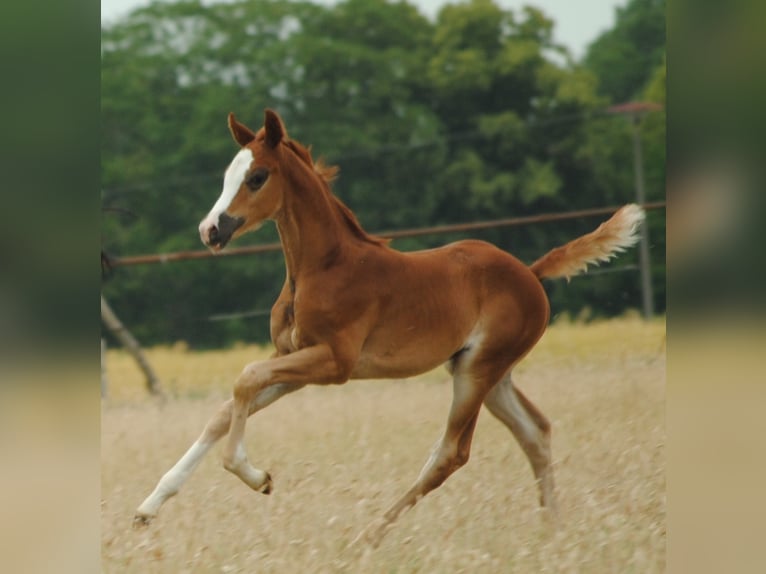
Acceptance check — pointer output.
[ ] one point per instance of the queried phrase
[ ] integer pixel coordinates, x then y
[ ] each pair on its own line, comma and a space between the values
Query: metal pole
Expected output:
647, 296
400, 233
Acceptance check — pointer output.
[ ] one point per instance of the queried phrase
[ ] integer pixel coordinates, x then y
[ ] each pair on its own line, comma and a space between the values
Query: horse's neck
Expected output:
312, 232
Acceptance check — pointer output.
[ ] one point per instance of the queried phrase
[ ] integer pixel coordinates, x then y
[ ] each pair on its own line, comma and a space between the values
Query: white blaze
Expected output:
232, 180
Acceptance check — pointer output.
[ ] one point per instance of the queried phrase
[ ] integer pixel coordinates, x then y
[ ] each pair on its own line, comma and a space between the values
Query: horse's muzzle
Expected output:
219, 235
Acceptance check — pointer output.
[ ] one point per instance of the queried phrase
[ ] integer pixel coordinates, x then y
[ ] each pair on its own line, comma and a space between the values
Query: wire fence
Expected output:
254, 313
395, 234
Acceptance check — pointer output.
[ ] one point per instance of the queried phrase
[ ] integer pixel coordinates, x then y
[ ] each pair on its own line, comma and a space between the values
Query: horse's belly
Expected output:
394, 366
406, 354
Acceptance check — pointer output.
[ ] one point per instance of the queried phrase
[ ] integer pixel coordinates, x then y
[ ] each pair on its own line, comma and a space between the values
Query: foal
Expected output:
353, 308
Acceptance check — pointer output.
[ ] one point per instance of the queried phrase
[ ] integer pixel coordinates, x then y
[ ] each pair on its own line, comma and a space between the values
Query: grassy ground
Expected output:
341, 455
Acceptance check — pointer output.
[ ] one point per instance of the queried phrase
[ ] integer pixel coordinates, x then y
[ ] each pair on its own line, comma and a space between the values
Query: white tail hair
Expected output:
610, 238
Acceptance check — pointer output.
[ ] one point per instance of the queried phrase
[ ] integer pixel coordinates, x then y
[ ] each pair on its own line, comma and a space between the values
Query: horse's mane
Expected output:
328, 173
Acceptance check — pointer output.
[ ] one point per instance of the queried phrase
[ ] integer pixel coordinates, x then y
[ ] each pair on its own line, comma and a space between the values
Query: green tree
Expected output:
480, 114
357, 97
170, 74
625, 57
513, 112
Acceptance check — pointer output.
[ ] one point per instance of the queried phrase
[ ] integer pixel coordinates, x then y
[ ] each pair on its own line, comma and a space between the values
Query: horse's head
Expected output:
252, 184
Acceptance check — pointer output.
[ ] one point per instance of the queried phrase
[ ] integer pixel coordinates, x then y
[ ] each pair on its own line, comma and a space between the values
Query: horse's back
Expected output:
482, 266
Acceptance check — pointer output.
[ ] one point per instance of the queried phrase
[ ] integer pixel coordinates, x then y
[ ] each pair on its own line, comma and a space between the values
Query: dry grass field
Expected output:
340, 455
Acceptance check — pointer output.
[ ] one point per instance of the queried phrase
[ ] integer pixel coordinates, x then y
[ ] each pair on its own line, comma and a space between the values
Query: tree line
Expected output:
478, 114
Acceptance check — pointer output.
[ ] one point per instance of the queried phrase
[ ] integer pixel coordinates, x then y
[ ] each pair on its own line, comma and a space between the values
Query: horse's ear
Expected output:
275, 129
240, 132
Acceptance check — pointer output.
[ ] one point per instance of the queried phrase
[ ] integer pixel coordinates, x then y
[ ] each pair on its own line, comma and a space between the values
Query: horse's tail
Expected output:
611, 237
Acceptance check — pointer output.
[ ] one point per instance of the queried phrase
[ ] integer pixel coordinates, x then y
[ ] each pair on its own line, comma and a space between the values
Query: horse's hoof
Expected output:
267, 486
142, 520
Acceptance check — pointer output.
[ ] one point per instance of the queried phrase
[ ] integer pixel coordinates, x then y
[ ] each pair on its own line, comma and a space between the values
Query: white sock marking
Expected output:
172, 480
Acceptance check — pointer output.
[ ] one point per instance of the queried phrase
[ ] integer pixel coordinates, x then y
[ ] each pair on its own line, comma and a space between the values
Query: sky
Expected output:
577, 23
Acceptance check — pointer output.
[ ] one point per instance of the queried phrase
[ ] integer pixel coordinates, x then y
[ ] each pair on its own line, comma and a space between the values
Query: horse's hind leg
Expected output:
531, 429
449, 454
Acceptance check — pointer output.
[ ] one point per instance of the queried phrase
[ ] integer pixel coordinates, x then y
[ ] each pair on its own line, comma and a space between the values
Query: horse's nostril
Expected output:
213, 235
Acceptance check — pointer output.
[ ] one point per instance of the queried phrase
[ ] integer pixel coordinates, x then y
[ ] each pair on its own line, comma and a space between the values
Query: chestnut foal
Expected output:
353, 308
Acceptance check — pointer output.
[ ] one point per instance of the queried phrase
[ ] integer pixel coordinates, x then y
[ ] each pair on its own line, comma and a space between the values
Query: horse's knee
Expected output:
241, 391
250, 380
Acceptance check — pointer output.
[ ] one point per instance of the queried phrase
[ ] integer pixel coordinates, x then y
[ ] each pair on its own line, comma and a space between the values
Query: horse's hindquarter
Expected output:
434, 303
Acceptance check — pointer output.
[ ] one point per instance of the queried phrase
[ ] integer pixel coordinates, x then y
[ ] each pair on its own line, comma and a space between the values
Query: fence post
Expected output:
104, 381
131, 345
635, 111
647, 295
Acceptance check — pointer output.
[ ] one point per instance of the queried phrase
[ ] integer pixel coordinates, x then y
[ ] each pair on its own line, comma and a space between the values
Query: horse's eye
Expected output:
256, 179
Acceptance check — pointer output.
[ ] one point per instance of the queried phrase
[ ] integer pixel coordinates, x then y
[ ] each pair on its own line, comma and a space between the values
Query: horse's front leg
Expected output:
216, 428
318, 364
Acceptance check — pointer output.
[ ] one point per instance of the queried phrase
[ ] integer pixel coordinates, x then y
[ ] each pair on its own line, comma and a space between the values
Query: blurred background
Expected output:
436, 113
161, 131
